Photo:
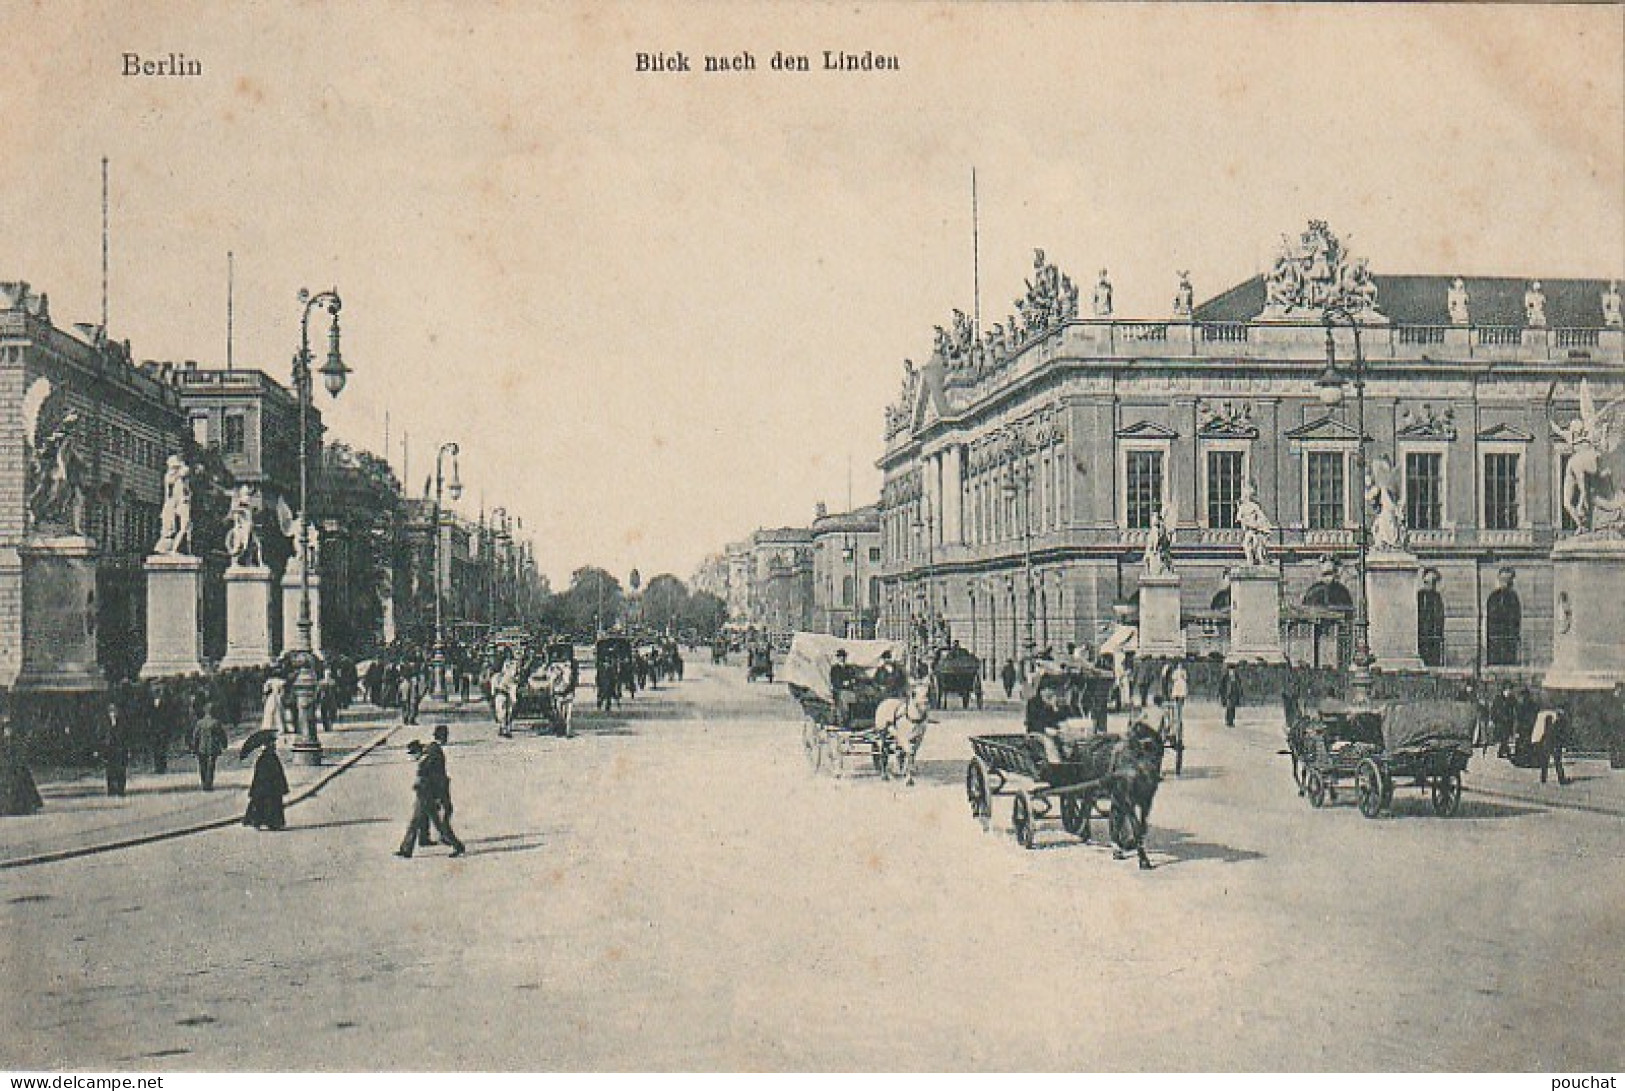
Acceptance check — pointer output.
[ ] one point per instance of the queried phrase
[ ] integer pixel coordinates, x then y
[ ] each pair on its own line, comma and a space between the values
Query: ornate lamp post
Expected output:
334, 373
439, 560
849, 554
1330, 389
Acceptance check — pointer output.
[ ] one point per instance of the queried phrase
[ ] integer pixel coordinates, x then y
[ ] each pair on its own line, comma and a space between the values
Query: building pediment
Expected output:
1146, 429
1327, 429
1505, 433
1225, 420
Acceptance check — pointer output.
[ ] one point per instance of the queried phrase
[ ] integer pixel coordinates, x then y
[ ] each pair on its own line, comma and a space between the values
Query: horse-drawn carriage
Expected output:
1105, 776
955, 671
613, 673
1426, 743
839, 730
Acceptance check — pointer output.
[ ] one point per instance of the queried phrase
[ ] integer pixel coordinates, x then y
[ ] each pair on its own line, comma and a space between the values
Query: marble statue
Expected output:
1388, 528
1610, 305
1256, 528
1159, 546
1459, 299
1184, 296
57, 496
242, 537
1103, 296
1534, 306
175, 520
1594, 479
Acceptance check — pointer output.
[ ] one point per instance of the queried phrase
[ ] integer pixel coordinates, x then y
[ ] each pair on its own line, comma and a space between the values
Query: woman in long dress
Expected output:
265, 792
273, 717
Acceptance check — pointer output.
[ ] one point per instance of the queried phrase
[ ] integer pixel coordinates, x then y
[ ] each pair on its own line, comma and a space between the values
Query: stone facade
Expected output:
846, 561
1020, 473
129, 424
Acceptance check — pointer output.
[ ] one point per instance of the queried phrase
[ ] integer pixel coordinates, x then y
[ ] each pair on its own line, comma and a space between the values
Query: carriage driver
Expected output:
1046, 717
842, 678
890, 677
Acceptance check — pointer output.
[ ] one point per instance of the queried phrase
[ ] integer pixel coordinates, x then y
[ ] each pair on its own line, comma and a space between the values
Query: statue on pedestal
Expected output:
1256, 528
1388, 528
1595, 474
1103, 296
1184, 296
1159, 545
242, 538
176, 517
1459, 299
1534, 306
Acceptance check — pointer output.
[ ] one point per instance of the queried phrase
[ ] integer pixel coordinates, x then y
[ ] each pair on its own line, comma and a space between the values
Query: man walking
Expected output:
1230, 694
435, 752
427, 789
115, 742
208, 740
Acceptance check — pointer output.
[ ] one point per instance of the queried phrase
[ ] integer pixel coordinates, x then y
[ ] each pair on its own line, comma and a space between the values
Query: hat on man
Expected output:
441, 732
840, 653
885, 654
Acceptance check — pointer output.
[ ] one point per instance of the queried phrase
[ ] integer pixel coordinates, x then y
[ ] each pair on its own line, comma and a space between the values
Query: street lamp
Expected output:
308, 747
1329, 388
439, 561
854, 624
1018, 483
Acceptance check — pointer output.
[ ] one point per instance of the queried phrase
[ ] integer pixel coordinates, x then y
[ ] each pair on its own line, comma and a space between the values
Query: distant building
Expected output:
781, 580
1024, 463
846, 559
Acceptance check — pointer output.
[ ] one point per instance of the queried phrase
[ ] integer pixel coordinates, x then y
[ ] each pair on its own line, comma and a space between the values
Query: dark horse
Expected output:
1136, 771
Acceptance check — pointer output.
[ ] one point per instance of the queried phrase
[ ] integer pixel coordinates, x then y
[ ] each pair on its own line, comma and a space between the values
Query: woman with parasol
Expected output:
269, 785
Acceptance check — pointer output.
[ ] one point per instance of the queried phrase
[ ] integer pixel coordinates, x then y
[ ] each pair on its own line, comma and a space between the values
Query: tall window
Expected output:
236, 434
1327, 491
1424, 489
1224, 472
1501, 490
200, 429
846, 590
1143, 492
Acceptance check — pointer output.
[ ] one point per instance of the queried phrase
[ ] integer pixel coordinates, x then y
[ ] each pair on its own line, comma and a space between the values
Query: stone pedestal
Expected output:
1588, 626
174, 597
1160, 631
1255, 616
59, 616
290, 612
248, 616
1390, 595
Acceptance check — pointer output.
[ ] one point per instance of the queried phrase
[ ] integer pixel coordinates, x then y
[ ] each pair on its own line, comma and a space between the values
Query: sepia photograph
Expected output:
741, 537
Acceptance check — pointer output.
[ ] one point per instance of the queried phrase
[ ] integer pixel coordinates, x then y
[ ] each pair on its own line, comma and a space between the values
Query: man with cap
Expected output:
890, 677
842, 677
426, 793
443, 801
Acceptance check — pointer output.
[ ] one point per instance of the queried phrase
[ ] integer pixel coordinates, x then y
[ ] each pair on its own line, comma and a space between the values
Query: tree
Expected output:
594, 601
663, 602
704, 613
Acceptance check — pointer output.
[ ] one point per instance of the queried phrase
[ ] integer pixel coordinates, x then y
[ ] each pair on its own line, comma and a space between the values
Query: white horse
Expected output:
901, 723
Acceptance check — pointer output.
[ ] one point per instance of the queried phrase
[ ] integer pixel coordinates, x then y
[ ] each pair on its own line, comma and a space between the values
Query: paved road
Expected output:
672, 889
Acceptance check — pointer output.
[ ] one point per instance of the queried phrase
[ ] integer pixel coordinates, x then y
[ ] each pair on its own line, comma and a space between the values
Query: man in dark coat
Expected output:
431, 782
18, 792
442, 733
890, 677
265, 792
115, 741
842, 678
1008, 676
208, 741
1230, 694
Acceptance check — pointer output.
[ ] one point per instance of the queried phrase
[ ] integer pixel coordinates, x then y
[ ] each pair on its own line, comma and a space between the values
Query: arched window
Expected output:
1503, 623
1430, 620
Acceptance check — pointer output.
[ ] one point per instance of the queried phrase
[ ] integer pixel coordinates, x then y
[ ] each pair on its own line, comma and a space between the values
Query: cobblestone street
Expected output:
674, 889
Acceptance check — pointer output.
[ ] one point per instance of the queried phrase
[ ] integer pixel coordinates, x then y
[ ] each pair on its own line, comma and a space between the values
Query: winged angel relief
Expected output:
1596, 466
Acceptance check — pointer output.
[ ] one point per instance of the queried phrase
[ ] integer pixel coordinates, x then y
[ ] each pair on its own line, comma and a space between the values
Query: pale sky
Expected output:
658, 311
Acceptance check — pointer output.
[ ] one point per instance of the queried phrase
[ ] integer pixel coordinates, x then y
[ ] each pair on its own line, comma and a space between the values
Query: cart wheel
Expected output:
1315, 785
976, 792
1446, 794
1021, 820
1368, 782
1072, 814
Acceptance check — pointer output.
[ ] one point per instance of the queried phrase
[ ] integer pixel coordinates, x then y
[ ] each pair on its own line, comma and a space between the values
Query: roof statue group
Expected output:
1315, 273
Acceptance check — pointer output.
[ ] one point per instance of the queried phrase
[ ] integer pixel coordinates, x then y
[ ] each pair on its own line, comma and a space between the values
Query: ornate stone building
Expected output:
1023, 466
127, 425
845, 558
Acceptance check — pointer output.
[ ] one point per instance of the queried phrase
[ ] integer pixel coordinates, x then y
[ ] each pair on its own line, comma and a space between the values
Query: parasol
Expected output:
263, 737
